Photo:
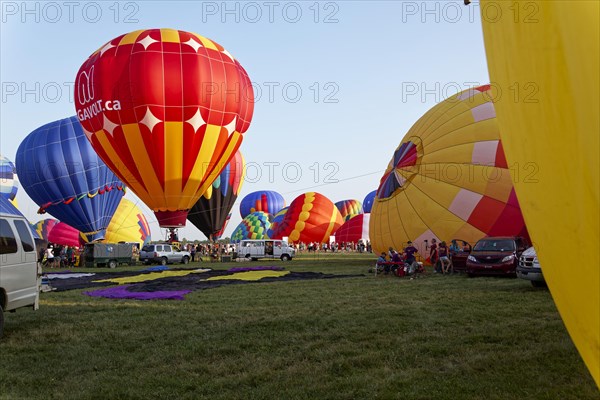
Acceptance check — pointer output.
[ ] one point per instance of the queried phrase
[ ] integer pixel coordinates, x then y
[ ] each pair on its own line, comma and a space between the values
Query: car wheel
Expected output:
164, 261
285, 257
539, 284
248, 257
146, 262
112, 264
1, 321
185, 260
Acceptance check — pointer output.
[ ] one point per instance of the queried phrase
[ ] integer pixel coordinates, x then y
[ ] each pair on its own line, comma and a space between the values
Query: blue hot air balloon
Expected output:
266, 201
368, 201
61, 172
9, 183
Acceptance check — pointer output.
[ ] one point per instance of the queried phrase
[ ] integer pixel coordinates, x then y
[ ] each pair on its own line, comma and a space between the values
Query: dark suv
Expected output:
496, 256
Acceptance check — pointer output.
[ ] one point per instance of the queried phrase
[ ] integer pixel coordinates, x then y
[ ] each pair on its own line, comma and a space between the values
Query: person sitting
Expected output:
381, 262
397, 260
410, 259
444, 260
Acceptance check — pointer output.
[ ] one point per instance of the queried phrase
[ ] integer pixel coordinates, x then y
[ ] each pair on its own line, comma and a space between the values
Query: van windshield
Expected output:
495, 245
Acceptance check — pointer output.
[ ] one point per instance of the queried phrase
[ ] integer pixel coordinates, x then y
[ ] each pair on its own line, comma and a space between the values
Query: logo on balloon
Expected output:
85, 86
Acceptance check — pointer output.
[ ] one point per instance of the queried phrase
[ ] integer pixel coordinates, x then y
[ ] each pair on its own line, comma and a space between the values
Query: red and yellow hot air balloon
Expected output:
166, 111
128, 224
311, 217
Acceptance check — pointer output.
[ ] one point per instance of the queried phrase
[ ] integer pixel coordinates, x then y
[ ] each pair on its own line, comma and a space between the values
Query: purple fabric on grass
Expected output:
122, 292
245, 269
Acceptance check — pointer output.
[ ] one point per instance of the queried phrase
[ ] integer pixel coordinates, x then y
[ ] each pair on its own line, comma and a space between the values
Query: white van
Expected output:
19, 275
267, 248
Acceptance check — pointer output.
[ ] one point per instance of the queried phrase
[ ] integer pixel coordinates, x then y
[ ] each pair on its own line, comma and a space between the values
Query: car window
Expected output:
8, 243
147, 248
25, 235
495, 245
167, 248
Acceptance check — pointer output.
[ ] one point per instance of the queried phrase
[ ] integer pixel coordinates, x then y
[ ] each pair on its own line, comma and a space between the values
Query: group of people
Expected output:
58, 256
396, 261
439, 255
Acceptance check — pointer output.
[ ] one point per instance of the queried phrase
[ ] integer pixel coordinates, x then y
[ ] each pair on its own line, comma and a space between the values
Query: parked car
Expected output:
163, 253
19, 270
529, 268
255, 249
459, 258
496, 256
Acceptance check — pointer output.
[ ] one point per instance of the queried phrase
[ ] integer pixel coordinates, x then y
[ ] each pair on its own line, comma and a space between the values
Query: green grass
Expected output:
439, 337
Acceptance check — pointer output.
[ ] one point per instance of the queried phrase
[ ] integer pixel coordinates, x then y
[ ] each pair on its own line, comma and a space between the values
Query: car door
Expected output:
459, 258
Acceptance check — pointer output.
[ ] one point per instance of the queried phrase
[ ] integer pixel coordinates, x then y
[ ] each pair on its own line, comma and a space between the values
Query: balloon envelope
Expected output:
166, 110
311, 217
65, 235
349, 208
353, 230
277, 219
264, 200
368, 201
62, 173
9, 184
551, 135
44, 227
212, 210
447, 179
254, 226
129, 225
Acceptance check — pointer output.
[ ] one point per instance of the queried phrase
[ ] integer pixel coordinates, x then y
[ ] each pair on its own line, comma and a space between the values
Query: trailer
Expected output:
110, 254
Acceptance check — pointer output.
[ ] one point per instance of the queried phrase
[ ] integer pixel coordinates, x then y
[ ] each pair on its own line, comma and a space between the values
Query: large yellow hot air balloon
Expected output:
128, 225
552, 55
447, 179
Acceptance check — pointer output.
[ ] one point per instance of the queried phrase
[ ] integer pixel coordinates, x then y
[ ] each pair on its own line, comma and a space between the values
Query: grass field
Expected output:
437, 337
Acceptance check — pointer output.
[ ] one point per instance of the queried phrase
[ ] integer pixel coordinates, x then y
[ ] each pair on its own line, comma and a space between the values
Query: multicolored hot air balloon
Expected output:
166, 110
353, 230
311, 217
277, 219
551, 135
43, 227
368, 201
212, 210
65, 235
264, 200
9, 184
447, 179
129, 225
62, 173
254, 226
349, 208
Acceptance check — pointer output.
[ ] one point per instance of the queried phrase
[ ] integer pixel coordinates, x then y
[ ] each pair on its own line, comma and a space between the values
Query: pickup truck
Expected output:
163, 253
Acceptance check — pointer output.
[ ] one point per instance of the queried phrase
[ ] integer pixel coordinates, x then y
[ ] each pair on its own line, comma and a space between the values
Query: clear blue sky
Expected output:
367, 70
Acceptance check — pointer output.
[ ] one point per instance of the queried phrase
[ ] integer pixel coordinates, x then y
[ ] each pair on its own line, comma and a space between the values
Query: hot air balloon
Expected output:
60, 171
277, 219
128, 225
254, 226
44, 227
166, 110
447, 179
311, 217
353, 230
219, 234
368, 201
65, 235
9, 184
264, 200
211, 211
551, 135
349, 208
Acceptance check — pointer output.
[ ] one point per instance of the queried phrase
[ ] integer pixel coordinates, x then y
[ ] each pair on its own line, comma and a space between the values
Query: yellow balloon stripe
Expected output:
173, 145
206, 42
124, 172
131, 37
170, 35
135, 143
335, 216
201, 167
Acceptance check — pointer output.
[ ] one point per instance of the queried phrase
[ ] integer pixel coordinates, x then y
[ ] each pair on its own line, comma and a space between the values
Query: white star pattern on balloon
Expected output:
231, 126
228, 54
196, 121
194, 44
149, 119
147, 41
108, 125
106, 47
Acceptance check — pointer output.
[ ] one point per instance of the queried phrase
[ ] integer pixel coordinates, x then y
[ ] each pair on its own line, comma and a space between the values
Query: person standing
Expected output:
433, 255
409, 257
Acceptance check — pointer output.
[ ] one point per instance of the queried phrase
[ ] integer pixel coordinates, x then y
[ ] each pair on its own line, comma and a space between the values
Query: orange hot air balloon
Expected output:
311, 217
166, 111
